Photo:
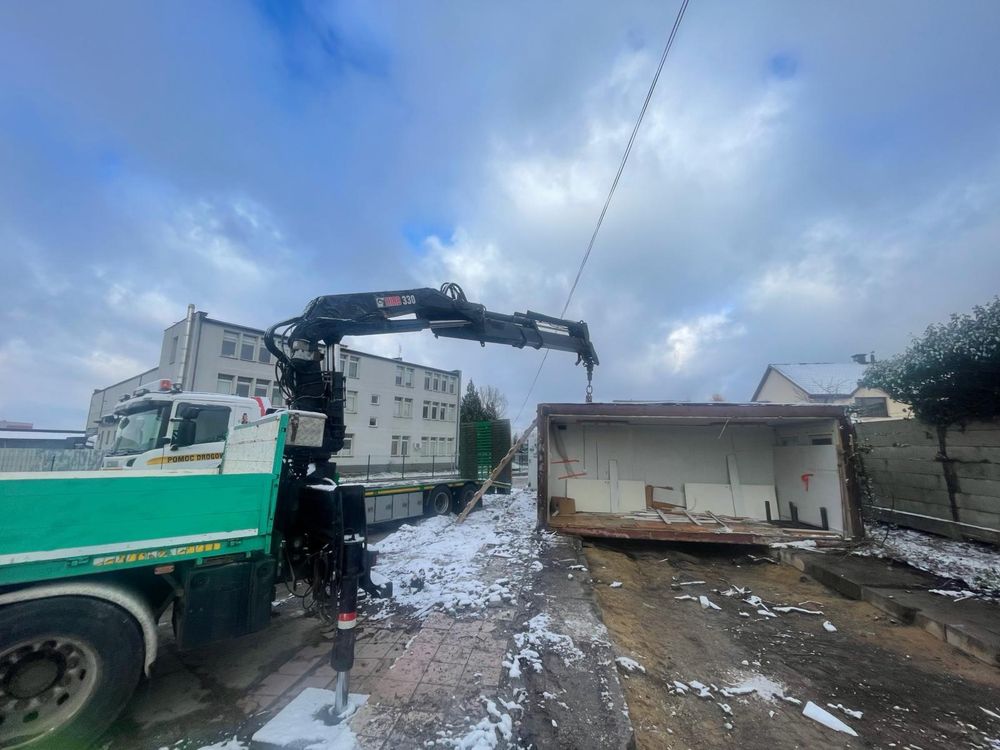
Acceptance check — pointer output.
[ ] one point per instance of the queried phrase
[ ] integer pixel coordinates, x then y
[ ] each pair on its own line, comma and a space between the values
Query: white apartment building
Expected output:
396, 412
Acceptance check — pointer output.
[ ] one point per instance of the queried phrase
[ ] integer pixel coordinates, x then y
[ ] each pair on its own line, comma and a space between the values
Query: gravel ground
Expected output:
912, 690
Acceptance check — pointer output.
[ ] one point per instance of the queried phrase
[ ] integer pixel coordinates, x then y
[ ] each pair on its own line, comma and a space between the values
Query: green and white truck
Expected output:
90, 561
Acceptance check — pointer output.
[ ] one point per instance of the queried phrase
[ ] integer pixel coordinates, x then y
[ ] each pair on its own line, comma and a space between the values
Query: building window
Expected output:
348, 449
276, 396
173, 350
351, 402
404, 376
261, 387
375, 399
400, 445
872, 406
243, 386
224, 384
403, 407
230, 340
451, 412
451, 447
349, 365
373, 421
264, 356
452, 383
427, 406
248, 348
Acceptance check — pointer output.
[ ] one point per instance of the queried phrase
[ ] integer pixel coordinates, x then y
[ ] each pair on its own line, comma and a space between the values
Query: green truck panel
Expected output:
56, 527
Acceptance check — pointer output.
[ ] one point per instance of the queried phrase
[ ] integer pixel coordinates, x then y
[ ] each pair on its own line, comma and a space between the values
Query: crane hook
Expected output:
590, 386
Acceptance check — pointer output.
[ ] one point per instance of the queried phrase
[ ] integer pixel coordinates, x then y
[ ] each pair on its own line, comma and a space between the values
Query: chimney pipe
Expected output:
186, 349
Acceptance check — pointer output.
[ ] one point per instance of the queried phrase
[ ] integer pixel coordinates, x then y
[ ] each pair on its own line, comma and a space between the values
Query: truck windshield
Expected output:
139, 430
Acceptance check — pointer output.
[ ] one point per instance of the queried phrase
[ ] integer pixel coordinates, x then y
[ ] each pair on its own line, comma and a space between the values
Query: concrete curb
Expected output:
971, 626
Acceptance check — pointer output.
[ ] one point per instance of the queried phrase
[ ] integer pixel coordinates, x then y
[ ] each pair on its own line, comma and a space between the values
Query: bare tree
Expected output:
494, 402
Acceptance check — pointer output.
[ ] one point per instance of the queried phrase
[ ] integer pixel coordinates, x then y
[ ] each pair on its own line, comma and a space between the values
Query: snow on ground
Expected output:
630, 665
977, 566
486, 734
230, 744
301, 723
436, 564
538, 638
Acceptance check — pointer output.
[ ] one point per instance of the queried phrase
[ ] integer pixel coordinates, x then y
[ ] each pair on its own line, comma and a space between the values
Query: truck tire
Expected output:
68, 666
464, 494
438, 501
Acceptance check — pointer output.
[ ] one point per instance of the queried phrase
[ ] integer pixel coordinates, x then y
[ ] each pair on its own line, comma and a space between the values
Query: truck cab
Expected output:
168, 428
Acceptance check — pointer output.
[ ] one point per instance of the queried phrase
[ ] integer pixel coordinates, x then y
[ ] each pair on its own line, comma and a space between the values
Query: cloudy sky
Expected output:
811, 180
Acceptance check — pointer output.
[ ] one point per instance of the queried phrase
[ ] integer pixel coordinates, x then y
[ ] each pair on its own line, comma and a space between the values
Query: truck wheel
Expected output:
68, 665
464, 494
439, 501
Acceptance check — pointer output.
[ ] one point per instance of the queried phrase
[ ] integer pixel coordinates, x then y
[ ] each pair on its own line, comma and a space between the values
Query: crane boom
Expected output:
298, 343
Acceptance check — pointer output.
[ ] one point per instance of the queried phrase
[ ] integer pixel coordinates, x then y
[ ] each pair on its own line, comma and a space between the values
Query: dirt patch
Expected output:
913, 690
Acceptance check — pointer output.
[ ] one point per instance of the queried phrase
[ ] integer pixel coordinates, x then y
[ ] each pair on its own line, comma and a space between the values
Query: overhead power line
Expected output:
611, 192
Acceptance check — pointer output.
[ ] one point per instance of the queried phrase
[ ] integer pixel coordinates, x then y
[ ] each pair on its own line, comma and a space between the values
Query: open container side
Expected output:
737, 473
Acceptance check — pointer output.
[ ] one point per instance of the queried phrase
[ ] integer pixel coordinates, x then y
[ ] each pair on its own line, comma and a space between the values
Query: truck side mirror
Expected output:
184, 434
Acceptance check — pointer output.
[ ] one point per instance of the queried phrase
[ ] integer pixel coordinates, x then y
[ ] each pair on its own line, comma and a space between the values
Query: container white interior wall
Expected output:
729, 468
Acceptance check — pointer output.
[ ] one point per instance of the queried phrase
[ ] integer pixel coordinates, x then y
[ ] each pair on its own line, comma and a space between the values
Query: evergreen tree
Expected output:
472, 405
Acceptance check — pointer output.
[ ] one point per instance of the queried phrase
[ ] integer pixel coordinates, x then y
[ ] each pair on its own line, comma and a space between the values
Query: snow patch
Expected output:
976, 566
630, 665
301, 723
803, 544
437, 564
230, 744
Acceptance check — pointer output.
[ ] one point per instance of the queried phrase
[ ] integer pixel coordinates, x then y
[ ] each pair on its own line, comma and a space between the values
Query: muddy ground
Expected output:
914, 691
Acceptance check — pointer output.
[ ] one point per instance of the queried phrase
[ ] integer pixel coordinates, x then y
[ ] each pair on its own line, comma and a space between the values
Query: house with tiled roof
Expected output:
828, 383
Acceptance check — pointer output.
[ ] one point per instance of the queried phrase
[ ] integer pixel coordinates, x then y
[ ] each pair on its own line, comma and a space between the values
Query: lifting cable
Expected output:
611, 192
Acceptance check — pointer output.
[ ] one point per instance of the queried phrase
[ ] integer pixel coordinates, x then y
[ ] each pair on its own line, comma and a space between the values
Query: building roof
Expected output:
822, 378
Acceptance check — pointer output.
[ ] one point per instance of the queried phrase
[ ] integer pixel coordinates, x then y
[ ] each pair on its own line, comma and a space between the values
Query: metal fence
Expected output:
376, 466
40, 459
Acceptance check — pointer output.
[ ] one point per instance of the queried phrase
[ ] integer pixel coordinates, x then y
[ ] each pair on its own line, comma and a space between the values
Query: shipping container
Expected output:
714, 472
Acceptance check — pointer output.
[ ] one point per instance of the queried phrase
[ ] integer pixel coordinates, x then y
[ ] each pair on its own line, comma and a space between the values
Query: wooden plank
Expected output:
719, 521
496, 472
694, 520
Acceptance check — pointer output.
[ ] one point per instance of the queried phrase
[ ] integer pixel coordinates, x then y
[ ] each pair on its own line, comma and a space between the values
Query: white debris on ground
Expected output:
850, 712
707, 603
829, 627
629, 665
436, 564
786, 610
976, 565
538, 638
958, 596
616, 584
827, 719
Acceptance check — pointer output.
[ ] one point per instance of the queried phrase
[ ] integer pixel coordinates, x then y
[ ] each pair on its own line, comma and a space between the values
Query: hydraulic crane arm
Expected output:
446, 312
327, 529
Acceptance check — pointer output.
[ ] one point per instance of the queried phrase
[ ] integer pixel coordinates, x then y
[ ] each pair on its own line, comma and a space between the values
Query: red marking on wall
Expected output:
805, 480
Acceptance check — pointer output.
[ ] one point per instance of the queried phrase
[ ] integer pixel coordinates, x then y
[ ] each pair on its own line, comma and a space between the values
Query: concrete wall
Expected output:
34, 459
947, 483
